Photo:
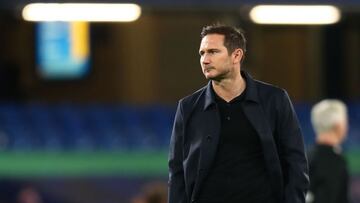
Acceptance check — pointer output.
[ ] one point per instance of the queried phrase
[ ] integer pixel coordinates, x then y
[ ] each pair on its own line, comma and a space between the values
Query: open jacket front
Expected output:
196, 134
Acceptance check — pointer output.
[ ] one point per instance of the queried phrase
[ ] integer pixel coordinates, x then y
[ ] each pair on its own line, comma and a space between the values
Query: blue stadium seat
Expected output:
111, 127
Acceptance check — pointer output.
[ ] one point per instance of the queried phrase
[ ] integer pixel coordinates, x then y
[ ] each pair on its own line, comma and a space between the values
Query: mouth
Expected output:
207, 69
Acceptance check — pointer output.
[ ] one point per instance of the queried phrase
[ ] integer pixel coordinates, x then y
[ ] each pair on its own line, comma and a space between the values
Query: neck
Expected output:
229, 88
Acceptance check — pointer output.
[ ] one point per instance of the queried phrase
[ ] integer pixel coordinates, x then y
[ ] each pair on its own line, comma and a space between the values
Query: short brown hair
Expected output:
234, 38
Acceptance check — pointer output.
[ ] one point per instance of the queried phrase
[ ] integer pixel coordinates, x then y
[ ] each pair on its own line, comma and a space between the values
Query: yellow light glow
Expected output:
295, 14
79, 37
97, 12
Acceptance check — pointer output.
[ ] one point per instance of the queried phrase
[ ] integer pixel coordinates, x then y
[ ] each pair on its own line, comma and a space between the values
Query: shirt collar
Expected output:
251, 91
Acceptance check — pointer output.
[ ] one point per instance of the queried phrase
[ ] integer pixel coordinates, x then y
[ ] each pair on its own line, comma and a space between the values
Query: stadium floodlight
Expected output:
295, 14
89, 12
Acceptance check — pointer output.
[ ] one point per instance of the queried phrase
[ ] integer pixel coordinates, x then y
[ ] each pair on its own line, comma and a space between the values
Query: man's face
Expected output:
216, 63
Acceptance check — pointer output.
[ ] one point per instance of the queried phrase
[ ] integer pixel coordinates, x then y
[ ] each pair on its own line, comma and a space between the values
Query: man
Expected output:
236, 140
328, 170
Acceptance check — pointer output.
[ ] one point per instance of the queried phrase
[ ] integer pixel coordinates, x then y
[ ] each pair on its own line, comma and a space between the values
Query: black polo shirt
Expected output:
238, 173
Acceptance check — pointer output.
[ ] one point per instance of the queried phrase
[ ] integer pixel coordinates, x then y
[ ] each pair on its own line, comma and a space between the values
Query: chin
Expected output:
216, 77
210, 77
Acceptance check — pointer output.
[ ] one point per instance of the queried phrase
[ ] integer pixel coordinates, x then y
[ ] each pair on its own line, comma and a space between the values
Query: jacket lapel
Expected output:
256, 116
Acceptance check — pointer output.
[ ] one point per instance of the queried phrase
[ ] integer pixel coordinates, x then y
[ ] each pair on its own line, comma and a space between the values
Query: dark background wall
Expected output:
155, 59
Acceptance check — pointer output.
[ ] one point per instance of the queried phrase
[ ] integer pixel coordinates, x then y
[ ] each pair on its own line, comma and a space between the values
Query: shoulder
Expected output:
275, 100
269, 91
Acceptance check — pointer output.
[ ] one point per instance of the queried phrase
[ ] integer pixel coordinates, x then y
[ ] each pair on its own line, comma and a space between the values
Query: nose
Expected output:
205, 59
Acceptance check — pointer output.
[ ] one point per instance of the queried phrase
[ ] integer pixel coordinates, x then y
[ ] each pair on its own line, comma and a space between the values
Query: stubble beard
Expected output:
219, 76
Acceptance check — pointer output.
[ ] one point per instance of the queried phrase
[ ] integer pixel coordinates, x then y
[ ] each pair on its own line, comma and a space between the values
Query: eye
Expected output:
213, 51
201, 53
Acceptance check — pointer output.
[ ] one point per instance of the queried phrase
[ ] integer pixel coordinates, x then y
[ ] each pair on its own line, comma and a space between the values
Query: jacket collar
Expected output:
251, 91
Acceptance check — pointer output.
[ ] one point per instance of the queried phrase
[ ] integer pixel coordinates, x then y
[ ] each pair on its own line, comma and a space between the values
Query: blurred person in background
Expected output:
16, 191
29, 194
236, 139
328, 169
154, 192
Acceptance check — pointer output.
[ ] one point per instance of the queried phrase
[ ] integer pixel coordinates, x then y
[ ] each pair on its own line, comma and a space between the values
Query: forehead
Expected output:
212, 41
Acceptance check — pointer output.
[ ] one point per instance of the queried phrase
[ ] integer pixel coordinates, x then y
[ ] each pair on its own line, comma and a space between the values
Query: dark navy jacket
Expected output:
196, 133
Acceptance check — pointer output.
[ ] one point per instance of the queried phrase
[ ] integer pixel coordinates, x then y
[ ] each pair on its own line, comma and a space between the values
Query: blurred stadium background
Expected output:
99, 132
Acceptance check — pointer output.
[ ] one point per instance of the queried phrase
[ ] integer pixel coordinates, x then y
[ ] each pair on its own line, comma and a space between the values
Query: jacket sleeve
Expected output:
177, 192
292, 153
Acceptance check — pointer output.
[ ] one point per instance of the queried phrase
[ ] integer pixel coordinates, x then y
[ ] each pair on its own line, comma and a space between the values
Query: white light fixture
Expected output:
98, 12
295, 14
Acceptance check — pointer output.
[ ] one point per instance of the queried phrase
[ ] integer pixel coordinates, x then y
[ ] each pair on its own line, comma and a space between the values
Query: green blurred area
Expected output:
353, 159
40, 164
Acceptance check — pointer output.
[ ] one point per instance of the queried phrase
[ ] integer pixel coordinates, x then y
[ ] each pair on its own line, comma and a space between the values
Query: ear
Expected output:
238, 54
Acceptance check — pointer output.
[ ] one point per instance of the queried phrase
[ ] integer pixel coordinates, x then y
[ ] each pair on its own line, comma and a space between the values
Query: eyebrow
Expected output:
208, 50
